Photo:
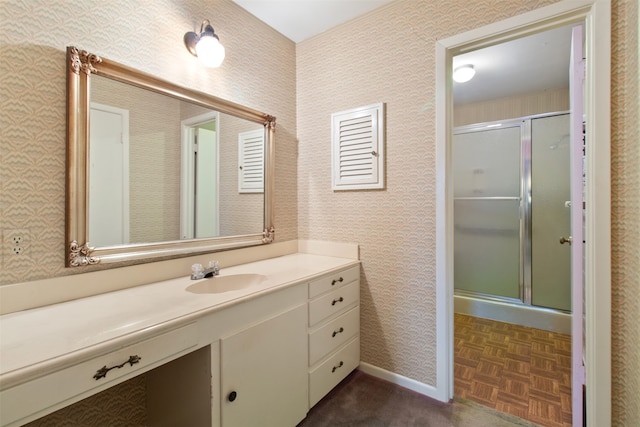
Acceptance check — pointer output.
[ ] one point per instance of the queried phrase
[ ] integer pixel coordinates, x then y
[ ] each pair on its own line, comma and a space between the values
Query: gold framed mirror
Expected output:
158, 170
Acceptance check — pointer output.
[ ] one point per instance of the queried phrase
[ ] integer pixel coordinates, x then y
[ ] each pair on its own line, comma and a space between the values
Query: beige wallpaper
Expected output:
387, 56
512, 107
259, 71
239, 211
625, 213
121, 405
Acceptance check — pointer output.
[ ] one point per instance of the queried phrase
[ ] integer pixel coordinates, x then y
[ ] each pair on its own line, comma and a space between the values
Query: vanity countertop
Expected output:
37, 340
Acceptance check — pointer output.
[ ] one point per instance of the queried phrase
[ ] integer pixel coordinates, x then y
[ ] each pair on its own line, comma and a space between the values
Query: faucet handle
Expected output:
197, 272
214, 267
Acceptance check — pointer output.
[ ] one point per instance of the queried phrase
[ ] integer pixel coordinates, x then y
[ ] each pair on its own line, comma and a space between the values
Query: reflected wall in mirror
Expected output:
155, 169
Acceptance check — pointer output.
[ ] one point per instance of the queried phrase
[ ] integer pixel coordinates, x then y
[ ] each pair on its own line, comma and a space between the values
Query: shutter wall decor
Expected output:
251, 161
358, 148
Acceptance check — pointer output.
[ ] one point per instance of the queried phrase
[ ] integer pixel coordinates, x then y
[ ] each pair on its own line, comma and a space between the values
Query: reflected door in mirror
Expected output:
109, 176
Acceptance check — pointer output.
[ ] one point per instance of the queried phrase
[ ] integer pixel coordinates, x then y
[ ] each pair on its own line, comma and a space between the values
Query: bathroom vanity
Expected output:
257, 345
260, 344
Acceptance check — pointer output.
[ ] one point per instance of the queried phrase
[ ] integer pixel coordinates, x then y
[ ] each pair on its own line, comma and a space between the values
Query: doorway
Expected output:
511, 203
200, 170
511, 196
597, 268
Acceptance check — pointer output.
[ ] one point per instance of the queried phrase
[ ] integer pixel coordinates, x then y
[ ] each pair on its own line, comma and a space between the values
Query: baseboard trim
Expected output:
392, 377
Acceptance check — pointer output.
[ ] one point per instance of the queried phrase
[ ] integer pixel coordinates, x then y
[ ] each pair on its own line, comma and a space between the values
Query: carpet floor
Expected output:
361, 400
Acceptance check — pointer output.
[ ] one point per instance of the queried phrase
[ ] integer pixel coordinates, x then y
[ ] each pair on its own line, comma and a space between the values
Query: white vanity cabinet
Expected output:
259, 355
263, 372
334, 330
65, 386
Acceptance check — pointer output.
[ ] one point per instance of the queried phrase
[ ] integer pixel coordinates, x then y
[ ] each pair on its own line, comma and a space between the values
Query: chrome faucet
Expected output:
198, 272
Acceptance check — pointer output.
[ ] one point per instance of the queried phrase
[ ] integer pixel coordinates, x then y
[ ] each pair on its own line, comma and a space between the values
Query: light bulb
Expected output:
463, 73
210, 52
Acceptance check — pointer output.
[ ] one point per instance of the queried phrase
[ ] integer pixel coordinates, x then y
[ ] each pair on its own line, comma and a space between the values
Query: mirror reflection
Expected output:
162, 169
155, 169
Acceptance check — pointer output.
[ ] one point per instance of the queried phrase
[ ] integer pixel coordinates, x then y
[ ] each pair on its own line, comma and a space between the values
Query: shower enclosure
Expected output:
512, 257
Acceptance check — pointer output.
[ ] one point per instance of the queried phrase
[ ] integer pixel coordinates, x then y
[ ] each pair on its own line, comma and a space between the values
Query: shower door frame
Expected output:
525, 198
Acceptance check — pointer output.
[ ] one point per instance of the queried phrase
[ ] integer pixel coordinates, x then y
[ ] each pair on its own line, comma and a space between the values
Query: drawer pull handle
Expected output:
334, 281
339, 331
337, 300
232, 396
338, 366
102, 372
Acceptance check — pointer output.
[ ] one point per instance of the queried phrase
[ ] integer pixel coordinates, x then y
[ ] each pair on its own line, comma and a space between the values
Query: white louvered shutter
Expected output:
251, 161
358, 148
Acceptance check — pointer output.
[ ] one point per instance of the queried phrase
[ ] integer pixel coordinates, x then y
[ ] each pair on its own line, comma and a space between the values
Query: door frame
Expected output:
187, 168
596, 15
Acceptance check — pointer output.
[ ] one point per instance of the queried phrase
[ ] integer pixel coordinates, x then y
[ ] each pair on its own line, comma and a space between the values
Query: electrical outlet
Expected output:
15, 241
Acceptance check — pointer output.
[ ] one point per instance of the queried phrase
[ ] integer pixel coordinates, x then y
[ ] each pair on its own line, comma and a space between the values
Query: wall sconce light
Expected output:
463, 73
205, 46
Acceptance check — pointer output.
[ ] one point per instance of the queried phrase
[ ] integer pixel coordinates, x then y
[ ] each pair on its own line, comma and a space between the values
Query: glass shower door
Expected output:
487, 205
550, 213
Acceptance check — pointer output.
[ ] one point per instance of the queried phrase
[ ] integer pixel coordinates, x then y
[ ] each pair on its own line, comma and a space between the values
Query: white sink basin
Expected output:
220, 284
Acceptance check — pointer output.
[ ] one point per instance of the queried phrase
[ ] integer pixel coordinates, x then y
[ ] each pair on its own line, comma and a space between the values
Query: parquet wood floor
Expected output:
514, 369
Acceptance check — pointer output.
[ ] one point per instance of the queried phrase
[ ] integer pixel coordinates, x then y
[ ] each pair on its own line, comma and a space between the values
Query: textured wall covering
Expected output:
625, 213
351, 66
387, 56
512, 107
154, 158
259, 71
121, 405
240, 213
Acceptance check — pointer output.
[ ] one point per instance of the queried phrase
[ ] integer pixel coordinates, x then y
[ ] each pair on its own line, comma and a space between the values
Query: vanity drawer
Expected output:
333, 302
332, 335
333, 281
76, 381
327, 375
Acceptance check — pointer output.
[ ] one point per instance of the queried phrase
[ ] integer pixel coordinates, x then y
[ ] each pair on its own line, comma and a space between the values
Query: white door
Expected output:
206, 177
108, 176
577, 73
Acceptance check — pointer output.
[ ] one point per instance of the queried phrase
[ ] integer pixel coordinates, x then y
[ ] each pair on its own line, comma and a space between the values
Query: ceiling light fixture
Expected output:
205, 45
463, 73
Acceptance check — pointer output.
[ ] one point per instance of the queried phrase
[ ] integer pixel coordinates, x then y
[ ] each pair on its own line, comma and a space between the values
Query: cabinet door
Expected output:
264, 372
